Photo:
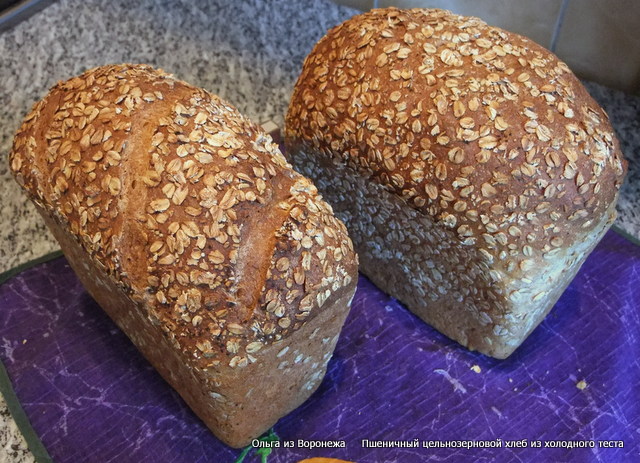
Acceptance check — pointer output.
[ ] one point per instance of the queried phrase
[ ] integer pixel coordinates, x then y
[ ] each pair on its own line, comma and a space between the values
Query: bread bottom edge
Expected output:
423, 264
236, 404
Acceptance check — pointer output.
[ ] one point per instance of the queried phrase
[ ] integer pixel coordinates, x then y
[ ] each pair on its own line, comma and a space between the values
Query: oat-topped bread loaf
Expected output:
186, 224
471, 167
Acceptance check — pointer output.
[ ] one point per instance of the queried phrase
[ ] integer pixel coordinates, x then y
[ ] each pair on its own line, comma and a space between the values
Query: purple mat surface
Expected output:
92, 398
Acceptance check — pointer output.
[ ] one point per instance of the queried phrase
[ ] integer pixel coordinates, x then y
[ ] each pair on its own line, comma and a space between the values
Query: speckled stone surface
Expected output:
624, 114
247, 52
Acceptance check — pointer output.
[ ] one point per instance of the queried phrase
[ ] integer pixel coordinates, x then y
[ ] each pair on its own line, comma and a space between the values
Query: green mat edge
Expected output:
37, 448
625, 234
6, 275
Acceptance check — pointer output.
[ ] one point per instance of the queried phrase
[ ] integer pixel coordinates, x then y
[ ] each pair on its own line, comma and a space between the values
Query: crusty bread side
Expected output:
186, 224
485, 138
410, 256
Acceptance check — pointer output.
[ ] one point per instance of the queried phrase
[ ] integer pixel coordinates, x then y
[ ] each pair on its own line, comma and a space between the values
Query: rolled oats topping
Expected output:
186, 203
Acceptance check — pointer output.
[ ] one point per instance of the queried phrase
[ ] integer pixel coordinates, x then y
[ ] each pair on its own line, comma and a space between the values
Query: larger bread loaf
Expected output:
471, 167
186, 224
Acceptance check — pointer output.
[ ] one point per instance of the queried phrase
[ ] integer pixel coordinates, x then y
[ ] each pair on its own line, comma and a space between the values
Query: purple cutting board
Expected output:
92, 398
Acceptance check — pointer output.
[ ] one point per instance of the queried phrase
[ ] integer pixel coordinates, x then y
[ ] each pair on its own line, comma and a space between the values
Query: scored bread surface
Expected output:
480, 131
193, 213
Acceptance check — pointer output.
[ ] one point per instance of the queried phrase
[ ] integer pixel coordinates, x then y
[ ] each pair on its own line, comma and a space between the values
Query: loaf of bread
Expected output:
472, 169
185, 223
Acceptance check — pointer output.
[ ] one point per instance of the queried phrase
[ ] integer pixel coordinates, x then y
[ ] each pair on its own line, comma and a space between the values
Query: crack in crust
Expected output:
187, 205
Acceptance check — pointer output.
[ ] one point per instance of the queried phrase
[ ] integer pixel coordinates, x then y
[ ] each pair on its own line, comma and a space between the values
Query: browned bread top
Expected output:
188, 205
480, 128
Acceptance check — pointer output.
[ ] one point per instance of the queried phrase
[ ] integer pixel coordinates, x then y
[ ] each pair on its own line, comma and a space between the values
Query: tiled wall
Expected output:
599, 39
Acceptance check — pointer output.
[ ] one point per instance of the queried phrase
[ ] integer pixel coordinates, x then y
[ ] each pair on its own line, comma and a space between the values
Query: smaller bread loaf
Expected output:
472, 169
186, 224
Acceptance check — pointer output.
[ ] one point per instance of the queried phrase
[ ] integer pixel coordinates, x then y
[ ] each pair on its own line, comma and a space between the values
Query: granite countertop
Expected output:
247, 52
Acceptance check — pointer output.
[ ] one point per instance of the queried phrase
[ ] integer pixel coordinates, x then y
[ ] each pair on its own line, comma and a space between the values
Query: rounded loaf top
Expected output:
480, 128
187, 204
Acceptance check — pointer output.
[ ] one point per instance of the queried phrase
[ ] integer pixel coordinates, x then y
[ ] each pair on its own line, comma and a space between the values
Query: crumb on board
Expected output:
582, 384
476, 368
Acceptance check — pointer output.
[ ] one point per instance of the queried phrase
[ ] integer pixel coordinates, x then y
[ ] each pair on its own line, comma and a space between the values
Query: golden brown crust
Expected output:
473, 170
187, 205
480, 128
